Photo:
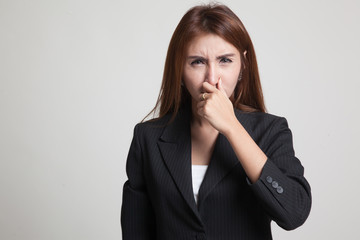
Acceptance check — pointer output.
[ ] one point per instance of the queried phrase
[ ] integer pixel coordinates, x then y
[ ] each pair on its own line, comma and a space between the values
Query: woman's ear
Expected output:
245, 56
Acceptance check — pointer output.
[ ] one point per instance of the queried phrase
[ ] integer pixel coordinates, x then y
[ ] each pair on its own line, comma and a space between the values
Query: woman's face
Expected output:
209, 58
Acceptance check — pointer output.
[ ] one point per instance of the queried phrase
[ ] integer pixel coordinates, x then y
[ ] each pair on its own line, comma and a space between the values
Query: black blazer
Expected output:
158, 201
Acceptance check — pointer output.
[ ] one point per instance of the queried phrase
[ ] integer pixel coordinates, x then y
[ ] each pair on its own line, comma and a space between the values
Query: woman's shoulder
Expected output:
257, 115
154, 126
252, 120
182, 116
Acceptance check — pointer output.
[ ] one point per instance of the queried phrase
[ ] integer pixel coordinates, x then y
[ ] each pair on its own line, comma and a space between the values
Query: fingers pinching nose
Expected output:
219, 83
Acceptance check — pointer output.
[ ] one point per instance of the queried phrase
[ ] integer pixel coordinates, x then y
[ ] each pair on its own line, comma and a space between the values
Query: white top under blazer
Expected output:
198, 173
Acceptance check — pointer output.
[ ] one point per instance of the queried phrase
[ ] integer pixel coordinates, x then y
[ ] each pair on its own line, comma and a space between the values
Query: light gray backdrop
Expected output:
77, 75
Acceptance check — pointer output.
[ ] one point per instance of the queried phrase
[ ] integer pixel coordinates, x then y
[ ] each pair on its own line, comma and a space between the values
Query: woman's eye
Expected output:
197, 62
225, 60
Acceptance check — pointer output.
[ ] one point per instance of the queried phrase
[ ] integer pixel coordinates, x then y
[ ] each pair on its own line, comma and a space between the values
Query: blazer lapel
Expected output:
175, 147
223, 160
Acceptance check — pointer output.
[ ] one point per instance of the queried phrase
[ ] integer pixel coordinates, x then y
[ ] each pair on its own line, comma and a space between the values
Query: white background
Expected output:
77, 75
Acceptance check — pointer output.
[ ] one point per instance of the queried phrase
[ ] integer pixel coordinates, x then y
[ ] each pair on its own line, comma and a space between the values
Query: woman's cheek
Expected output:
230, 87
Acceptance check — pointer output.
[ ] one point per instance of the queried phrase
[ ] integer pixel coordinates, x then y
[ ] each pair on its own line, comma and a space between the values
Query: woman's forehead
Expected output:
206, 44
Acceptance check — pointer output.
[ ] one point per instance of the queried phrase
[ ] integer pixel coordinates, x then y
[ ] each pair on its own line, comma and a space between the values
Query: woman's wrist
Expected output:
233, 127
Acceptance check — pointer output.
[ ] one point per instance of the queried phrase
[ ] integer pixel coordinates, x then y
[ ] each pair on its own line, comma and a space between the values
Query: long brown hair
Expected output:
219, 20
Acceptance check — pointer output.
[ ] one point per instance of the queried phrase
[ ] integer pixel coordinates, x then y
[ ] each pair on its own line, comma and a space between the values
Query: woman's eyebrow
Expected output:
196, 57
226, 55
219, 57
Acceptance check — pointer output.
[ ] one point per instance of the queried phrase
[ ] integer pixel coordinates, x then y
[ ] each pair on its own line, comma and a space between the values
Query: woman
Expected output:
214, 164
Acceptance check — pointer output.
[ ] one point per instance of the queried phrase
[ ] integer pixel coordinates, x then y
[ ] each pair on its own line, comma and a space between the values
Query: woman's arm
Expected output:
280, 184
137, 216
251, 157
276, 175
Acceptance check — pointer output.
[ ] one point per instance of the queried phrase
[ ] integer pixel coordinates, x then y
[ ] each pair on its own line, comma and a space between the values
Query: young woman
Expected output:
213, 164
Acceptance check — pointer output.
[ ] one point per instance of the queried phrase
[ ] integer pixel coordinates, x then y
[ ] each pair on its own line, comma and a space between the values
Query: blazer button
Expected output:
275, 184
279, 189
269, 179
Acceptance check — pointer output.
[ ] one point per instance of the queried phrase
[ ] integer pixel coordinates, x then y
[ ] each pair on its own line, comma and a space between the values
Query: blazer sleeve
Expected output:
282, 189
137, 215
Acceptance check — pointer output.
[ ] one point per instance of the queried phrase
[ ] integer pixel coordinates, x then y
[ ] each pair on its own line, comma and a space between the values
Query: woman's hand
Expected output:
216, 107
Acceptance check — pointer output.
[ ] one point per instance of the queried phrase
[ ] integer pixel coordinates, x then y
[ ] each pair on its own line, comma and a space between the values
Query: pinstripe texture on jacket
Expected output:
158, 201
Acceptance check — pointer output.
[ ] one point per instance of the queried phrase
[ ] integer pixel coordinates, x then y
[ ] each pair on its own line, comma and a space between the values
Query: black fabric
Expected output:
158, 201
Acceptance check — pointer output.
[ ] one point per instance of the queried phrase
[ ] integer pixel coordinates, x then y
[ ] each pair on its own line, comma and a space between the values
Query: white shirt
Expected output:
198, 173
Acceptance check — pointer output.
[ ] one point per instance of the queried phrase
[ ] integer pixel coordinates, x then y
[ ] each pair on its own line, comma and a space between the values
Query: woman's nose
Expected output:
212, 75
